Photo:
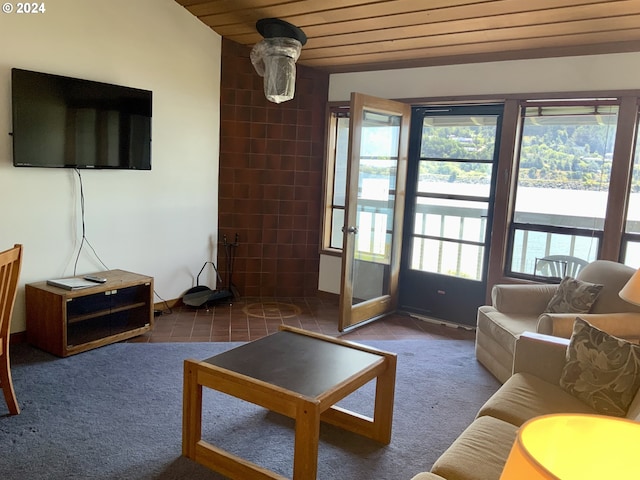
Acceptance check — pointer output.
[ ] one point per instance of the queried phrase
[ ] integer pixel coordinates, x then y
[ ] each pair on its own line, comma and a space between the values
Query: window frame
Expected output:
631, 237
614, 238
515, 226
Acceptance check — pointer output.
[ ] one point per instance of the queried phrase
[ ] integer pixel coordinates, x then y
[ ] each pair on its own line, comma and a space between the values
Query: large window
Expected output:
574, 194
564, 168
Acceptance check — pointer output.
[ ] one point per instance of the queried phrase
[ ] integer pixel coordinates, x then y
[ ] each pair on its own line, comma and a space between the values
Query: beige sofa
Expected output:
519, 308
480, 452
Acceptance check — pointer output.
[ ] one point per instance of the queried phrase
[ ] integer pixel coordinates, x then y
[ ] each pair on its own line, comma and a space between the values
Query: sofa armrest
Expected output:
427, 476
541, 355
623, 325
528, 299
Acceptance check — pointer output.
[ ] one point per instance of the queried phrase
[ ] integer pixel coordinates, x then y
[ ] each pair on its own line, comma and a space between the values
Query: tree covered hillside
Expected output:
556, 156
567, 157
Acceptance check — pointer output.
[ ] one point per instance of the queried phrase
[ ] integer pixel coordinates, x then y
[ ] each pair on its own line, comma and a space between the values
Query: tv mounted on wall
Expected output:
68, 122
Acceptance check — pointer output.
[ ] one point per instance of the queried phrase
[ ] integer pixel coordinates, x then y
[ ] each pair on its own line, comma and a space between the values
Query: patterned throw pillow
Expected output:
601, 370
573, 296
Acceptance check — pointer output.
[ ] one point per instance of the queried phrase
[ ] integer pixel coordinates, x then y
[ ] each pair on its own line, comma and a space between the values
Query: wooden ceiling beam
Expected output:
361, 18
357, 35
268, 9
544, 18
527, 33
326, 8
350, 21
586, 42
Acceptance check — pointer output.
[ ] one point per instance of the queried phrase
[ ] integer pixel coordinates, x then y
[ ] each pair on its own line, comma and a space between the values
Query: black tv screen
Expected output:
68, 122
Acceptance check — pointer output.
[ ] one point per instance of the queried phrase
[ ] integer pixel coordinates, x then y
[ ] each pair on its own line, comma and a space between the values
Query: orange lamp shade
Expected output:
575, 447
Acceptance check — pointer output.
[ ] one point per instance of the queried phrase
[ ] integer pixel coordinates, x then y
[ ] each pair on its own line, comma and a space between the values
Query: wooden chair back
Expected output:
10, 264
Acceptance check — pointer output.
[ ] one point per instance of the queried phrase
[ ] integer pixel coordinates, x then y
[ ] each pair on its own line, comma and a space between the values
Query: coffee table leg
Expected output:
385, 395
379, 427
305, 455
191, 410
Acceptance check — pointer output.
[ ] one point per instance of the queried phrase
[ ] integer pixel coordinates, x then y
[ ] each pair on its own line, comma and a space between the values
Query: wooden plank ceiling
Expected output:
360, 35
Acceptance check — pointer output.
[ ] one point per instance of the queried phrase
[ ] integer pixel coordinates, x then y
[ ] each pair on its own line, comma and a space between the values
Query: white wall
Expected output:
161, 222
569, 74
595, 72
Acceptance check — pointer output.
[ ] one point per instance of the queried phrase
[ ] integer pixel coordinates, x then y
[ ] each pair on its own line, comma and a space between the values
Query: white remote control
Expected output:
93, 278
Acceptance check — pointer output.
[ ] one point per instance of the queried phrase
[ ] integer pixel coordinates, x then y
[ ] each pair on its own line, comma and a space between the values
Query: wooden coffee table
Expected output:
295, 373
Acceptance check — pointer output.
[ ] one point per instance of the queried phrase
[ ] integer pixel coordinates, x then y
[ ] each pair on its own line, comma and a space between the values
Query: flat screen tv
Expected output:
68, 122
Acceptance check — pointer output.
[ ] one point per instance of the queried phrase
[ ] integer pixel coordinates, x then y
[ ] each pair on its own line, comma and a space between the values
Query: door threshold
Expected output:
438, 321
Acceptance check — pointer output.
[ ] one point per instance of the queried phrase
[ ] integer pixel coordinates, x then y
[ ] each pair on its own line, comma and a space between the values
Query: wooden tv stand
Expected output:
66, 322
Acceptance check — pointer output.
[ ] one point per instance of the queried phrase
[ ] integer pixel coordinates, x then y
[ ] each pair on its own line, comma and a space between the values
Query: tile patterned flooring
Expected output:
248, 319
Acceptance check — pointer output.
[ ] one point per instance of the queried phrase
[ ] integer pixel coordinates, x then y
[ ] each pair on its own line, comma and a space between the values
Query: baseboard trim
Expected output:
176, 302
328, 296
18, 337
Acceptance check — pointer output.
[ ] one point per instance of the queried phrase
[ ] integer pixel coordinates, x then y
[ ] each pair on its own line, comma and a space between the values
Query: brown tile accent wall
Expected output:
270, 190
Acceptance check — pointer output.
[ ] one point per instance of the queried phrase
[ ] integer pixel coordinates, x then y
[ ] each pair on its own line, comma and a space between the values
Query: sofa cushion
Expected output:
525, 396
601, 370
479, 453
574, 296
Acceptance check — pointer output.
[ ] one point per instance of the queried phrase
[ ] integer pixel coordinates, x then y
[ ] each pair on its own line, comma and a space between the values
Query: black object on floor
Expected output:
202, 295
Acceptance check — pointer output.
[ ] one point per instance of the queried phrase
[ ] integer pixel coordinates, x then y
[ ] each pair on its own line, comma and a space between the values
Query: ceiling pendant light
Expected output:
274, 58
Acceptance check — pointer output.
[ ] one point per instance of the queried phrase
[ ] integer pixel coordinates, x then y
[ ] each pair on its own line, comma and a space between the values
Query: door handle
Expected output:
349, 229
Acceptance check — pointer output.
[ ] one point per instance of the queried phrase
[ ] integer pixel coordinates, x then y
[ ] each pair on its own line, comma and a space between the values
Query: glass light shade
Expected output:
575, 447
631, 291
275, 60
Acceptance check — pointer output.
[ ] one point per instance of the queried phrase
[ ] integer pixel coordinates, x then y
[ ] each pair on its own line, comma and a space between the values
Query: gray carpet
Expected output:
116, 413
